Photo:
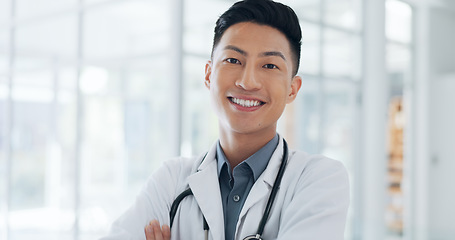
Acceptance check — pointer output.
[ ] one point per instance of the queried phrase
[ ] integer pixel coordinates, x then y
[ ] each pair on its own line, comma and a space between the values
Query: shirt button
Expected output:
236, 198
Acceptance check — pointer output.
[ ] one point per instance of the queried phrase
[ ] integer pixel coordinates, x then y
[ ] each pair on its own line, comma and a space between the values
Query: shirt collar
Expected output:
257, 162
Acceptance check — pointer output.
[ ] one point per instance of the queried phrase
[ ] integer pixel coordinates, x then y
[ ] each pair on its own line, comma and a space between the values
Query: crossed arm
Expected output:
326, 209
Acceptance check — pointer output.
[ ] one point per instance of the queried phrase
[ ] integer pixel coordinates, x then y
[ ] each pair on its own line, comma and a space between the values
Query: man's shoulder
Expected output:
182, 164
315, 164
173, 173
303, 157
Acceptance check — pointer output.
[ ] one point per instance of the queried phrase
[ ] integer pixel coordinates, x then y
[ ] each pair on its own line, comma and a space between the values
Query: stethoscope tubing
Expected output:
276, 186
176, 203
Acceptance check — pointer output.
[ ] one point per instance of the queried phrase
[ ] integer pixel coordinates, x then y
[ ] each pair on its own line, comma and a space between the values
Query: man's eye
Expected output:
270, 66
232, 60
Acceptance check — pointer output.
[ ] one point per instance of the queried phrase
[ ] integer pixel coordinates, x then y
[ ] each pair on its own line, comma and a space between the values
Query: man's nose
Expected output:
249, 79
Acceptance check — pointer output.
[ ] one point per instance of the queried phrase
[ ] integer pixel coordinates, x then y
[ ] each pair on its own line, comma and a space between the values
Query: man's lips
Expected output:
246, 102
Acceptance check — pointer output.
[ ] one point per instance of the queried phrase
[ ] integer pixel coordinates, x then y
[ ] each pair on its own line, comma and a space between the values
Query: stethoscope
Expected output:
267, 210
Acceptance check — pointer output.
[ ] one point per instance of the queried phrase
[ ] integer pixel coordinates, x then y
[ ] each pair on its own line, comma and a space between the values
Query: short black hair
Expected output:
263, 12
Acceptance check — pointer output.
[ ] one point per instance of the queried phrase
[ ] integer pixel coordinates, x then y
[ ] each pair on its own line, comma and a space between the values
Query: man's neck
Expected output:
237, 147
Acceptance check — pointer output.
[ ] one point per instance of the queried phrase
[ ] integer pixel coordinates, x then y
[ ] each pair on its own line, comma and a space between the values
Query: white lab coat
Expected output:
311, 204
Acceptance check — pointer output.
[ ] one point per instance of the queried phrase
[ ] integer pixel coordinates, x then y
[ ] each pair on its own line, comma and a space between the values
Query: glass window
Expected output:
308, 116
341, 54
32, 8
103, 163
339, 129
126, 29
343, 13
305, 9
200, 125
42, 156
199, 22
4, 116
125, 124
126, 115
198, 40
399, 72
4, 58
5, 13
310, 51
3, 148
125, 89
90, 2
339, 120
42, 176
398, 60
146, 118
398, 21
398, 57
398, 67
47, 41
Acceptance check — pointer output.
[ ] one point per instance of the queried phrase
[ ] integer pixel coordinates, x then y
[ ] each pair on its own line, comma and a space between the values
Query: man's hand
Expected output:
154, 232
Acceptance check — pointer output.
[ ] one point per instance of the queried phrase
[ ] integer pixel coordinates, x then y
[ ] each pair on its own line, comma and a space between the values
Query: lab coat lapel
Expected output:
263, 185
206, 190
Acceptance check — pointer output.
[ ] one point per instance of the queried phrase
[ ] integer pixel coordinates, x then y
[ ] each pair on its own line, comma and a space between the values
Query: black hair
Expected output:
264, 12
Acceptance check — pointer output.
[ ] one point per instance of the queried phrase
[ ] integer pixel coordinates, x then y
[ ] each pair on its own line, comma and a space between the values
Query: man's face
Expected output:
250, 78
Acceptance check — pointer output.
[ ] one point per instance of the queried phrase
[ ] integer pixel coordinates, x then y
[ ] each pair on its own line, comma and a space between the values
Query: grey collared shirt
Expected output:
235, 186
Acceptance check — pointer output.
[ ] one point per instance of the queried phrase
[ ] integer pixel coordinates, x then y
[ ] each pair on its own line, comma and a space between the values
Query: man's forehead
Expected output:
247, 36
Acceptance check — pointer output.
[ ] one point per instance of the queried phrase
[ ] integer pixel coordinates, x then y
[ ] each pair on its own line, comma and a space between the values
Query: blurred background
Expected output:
96, 94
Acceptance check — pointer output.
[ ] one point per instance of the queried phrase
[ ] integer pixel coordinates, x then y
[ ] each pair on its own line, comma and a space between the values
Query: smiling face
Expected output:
250, 79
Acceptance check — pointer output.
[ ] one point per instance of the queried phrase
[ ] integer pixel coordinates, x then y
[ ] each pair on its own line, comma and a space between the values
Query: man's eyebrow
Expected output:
234, 48
273, 53
264, 54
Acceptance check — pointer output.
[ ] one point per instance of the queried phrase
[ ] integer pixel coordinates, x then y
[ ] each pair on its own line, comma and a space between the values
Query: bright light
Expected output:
50, 219
399, 8
93, 80
398, 21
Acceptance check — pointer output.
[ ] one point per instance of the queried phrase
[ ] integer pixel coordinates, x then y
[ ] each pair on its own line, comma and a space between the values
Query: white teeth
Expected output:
246, 103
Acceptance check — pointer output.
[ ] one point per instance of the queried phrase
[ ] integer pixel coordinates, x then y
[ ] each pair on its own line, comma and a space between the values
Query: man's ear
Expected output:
208, 73
296, 83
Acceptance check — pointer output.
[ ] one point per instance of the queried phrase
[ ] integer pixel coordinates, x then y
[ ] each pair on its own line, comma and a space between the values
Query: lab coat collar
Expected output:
263, 185
209, 158
205, 181
269, 174
206, 190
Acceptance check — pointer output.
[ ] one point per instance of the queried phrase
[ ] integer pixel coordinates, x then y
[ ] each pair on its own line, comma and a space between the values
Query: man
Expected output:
251, 77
